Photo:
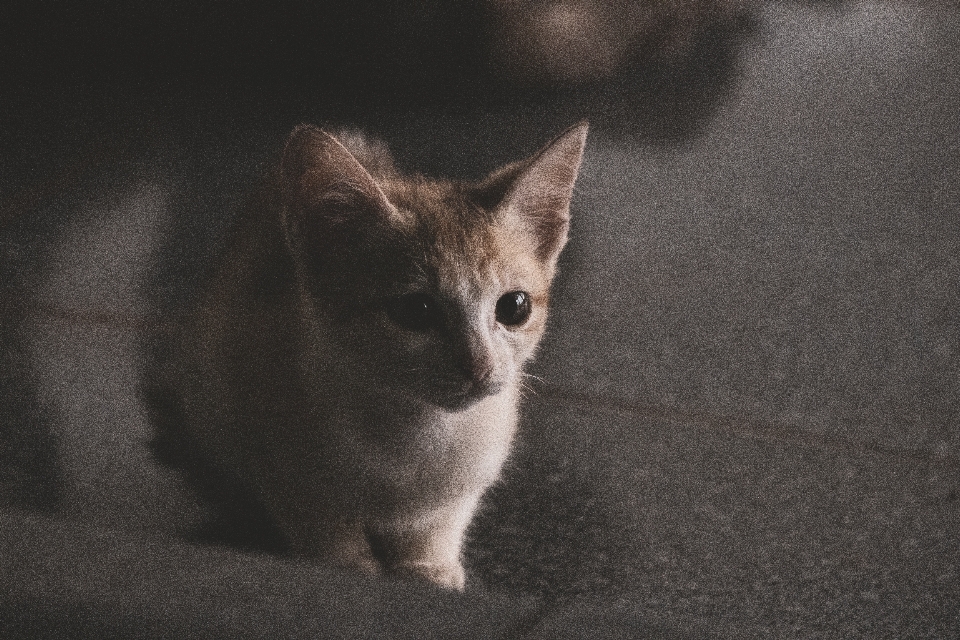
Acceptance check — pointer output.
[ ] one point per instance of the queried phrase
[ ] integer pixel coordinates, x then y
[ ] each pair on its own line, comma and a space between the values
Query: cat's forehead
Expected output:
438, 208
456, 243
445, 230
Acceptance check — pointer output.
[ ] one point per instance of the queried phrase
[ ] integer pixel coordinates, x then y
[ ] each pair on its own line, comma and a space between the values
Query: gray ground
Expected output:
749, 420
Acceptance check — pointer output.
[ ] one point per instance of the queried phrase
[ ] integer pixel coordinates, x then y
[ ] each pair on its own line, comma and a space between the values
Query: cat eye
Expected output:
414, 311
513, 308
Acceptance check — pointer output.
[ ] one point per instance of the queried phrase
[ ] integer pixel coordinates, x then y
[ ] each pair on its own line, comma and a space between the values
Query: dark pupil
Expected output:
414, 311
513, 308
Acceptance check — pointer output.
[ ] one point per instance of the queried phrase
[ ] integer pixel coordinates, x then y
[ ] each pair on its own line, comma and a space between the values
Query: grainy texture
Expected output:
748, 421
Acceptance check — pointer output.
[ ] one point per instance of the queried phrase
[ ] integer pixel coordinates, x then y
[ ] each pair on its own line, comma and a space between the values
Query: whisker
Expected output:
526, 390
530, 375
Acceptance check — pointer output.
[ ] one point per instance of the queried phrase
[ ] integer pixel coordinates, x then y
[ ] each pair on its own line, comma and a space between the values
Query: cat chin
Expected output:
427, 398
446, 401
444, 398
455, 403
459, 403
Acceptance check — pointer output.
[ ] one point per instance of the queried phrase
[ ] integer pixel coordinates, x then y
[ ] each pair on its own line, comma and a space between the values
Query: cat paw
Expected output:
449, 576
349, 559
361, 563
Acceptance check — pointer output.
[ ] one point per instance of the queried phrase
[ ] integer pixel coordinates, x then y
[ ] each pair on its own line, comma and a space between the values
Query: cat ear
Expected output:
538, 196
325, 187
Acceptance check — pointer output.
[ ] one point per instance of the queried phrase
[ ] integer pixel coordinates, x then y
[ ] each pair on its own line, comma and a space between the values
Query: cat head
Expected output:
436, 289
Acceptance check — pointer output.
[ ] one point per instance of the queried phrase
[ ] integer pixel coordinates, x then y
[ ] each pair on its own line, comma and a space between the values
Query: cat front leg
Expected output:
428, 548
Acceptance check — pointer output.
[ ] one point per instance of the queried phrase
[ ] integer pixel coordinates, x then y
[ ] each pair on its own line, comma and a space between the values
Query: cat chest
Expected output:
431, 460
426, 469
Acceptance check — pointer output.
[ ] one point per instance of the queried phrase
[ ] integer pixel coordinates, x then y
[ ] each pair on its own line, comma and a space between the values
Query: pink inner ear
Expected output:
541, 193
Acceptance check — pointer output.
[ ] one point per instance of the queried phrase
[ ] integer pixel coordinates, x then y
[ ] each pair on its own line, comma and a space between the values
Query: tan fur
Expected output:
368, 443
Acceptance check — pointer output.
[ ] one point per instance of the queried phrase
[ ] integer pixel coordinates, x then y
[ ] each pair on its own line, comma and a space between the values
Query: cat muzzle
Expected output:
470, 393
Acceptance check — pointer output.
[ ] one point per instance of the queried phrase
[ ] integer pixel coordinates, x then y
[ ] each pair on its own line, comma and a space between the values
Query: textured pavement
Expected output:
748, 423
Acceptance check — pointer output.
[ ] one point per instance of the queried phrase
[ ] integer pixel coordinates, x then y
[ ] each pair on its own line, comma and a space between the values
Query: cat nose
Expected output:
478, 373
477, 370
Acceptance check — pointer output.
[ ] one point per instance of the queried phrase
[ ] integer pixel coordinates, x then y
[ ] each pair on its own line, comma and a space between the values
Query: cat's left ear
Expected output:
329, 195
538, 196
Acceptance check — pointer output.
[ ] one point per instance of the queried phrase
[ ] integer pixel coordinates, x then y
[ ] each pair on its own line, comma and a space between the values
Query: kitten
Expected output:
357, 357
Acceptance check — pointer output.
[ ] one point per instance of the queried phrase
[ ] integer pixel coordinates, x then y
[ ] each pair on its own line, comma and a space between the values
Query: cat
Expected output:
355, 360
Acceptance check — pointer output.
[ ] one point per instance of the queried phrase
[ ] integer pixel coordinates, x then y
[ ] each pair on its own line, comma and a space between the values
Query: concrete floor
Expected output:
749, 420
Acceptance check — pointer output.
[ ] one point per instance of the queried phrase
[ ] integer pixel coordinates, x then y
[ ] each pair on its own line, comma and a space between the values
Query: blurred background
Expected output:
368, 62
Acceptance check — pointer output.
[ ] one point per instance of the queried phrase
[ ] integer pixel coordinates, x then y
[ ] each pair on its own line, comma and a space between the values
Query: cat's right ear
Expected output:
326, 190
534, 195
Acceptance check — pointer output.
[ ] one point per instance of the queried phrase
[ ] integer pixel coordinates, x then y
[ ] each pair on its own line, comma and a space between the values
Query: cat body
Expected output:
356, 358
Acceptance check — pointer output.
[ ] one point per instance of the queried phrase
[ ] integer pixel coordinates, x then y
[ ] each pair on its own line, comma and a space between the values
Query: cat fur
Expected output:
367, 444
